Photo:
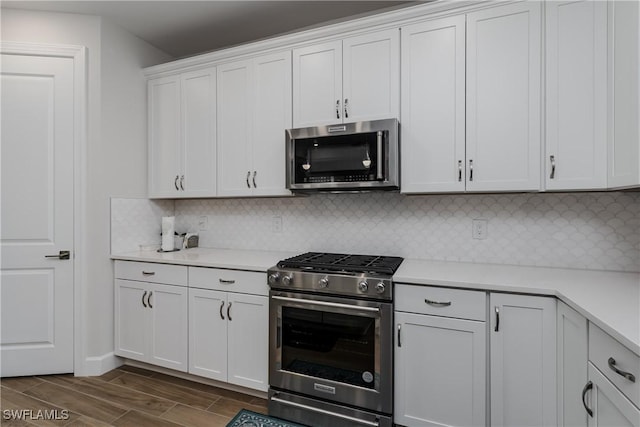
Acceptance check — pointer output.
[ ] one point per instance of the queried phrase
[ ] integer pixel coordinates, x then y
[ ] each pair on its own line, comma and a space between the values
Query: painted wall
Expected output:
116, 142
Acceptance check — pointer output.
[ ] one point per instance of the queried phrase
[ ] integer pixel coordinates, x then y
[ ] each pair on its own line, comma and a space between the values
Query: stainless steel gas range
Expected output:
331, 339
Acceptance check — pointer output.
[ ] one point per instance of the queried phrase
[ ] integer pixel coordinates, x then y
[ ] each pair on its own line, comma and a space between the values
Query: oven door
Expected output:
333, 348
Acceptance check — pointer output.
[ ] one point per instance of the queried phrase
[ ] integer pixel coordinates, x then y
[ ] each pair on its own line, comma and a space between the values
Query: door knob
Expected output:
61, 255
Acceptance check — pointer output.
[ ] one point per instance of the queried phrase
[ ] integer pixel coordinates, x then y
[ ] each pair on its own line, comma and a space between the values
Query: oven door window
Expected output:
332, 346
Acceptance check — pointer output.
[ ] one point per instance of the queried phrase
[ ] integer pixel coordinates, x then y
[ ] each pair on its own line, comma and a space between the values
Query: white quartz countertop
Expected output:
611, 300
208, 257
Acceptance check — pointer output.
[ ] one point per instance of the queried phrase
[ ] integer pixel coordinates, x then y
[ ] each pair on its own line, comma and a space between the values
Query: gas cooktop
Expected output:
330, 262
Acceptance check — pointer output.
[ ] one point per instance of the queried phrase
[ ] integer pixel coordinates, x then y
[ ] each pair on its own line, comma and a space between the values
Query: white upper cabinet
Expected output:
503, 98
433, 106
254, 109
182, 150
347, 81
234, 128
576, 95
164, 136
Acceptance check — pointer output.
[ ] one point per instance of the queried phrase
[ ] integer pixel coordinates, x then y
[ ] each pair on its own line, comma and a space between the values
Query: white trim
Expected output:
79, 56
98, 365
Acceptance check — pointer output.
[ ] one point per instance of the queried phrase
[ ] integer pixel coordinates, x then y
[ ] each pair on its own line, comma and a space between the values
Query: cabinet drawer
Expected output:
152, 272
458, 303
249, 282
602, 347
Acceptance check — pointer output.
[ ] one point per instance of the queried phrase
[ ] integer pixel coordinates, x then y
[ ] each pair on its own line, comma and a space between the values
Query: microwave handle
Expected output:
380, 155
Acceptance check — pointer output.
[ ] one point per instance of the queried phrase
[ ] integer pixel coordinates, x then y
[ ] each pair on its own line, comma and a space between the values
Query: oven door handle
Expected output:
328, 304
324, 412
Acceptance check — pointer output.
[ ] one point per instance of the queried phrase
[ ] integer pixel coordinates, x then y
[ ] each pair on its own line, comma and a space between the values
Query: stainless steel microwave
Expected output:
350, 156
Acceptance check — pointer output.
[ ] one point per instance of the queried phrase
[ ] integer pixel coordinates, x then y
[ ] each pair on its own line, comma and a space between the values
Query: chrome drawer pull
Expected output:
438, 303
627, 375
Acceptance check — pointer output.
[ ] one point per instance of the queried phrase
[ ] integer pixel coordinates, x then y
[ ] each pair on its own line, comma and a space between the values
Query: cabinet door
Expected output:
131, 319
317, 85
198, 178
609, 405
503, 98
572, 365
371, 76
168, 326
208, 333
248, 341
234, 128
433, 106
271, 116
576, 101
440, 371
164, 136
523, 360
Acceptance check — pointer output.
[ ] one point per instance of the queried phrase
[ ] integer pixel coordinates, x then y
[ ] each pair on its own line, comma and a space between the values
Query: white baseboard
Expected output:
98, 365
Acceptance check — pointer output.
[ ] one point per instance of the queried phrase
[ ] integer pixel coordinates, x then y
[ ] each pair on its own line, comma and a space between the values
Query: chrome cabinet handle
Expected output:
437, 303
586, 388
338, 109
182, 182
221, 307
470, 170
148, 273
248, 175
229, 312
614, 368
552, 158
399, 329
459, 170
149, 299
175, 182
144, 295
254, 179
226, 282
60, 255
497, 319
346, 106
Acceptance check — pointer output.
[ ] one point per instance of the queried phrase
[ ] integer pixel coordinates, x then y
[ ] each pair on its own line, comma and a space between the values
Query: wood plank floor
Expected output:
126, 396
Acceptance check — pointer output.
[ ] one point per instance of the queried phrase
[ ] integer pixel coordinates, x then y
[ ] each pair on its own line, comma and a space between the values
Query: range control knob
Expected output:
363, 286
273, 278
324, 282
286, 280
380, 288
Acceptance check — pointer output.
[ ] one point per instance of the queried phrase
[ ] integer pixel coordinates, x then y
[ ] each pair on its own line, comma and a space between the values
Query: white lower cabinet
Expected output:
572, 359
440, 362
228, 331
523, 360
151, 323
609, 406
612, 394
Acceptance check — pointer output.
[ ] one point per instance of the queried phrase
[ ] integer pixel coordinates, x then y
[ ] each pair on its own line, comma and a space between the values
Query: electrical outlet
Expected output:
479, 228
276, 224
203, 223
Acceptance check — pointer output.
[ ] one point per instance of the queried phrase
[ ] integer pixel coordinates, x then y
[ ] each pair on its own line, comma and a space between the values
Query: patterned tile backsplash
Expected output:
574, 230
136, 222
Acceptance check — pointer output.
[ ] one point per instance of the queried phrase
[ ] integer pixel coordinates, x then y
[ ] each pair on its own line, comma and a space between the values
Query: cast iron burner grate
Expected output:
373, 264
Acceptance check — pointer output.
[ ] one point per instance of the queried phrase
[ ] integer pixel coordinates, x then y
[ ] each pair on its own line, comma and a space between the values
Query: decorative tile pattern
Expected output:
136, 222
575, 230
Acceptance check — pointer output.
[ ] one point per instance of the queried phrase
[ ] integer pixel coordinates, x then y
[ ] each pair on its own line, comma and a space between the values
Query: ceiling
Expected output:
186, 28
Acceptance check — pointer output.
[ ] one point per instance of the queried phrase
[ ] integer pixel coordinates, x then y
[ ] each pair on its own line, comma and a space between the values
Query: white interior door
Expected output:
36, 291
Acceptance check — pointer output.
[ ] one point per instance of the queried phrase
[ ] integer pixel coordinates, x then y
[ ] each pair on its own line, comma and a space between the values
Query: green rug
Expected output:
246, 418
